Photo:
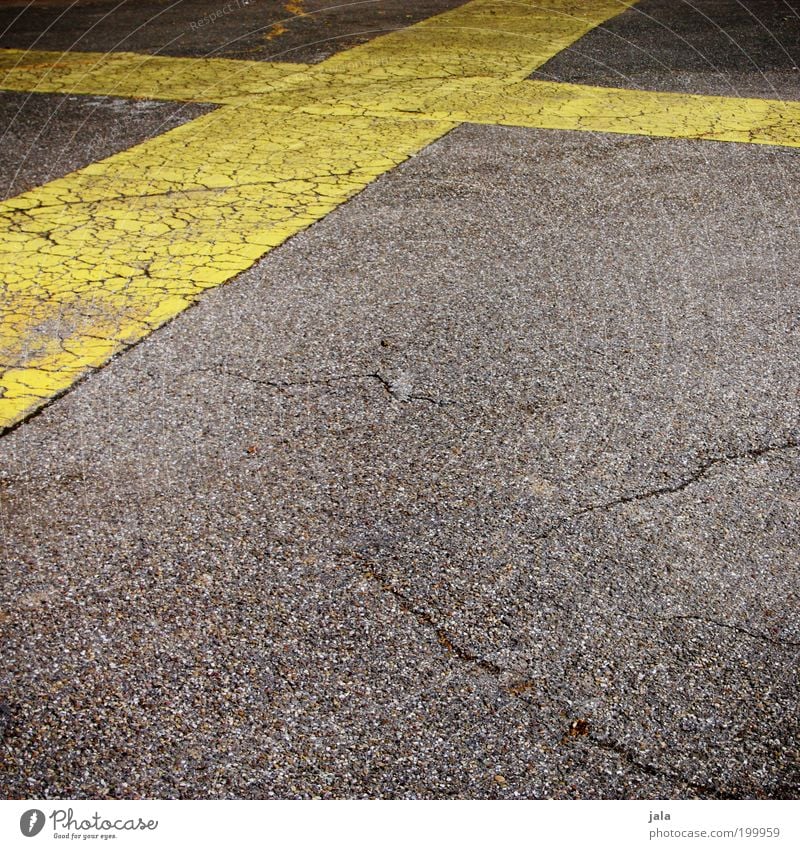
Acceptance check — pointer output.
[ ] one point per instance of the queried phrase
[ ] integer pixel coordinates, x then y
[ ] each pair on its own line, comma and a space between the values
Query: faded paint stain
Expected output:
278, 29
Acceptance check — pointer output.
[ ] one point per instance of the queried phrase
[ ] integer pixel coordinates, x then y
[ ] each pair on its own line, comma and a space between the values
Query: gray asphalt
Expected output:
271, 30
45, 136
468, 490
484, 486
737, 48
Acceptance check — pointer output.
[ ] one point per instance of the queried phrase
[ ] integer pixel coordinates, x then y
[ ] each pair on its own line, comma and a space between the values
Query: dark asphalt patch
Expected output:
258, 29
729, 47
48, 135
5, 720
503, 449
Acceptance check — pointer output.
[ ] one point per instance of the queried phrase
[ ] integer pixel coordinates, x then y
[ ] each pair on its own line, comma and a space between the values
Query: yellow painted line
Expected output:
140, 76
562, 106
96, 260
662, 114
494, 38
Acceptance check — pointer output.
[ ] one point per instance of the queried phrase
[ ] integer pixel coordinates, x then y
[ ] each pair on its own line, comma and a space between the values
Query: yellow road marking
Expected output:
562, 106
661, 114
96, 260
140, 76
494, 38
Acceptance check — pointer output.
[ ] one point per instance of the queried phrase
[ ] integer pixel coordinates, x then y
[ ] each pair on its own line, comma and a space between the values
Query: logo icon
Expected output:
31, 822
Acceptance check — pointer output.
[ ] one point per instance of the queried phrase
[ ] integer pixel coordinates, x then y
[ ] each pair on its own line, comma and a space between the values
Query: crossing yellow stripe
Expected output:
562, 106
96, 260
649, 113
140, 76
485, 38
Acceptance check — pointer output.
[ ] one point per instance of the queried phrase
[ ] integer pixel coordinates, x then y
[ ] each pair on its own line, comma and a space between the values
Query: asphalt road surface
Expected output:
482, 482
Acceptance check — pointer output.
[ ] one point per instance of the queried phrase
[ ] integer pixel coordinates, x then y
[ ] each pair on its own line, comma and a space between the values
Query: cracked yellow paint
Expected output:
135, 75
94, 261
562, 106
661, 114
97, 259
486, 38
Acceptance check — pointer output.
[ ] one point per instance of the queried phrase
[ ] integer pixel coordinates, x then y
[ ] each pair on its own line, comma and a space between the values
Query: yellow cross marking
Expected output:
96, 260
134, 75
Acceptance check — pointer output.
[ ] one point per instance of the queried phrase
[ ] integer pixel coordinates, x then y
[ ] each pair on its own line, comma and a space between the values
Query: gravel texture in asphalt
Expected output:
298, 31
484, 486
46, 136
738, 48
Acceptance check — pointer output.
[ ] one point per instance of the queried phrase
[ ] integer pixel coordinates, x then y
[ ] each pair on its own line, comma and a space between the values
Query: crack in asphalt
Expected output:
391, 386
425, 618
5, 719
521, 689
627, 755
669, 489
755, 635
